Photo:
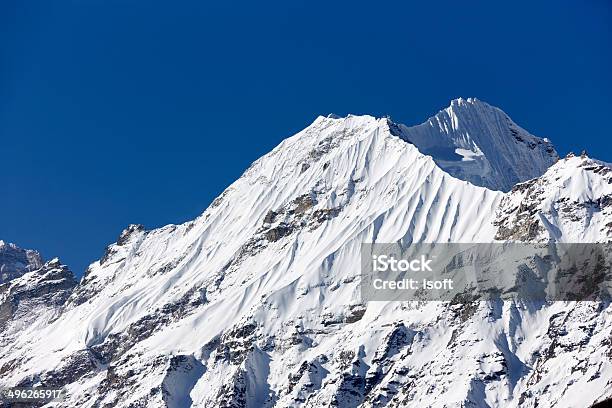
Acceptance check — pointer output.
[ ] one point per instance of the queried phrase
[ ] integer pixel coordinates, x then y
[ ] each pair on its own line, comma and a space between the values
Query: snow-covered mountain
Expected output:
475, 141
256, 303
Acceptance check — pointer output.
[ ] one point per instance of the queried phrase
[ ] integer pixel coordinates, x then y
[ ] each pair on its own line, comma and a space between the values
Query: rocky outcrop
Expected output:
46, 288
15, 261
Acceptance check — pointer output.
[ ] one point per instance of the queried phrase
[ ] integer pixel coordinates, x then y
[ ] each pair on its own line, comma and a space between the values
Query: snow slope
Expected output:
256, 302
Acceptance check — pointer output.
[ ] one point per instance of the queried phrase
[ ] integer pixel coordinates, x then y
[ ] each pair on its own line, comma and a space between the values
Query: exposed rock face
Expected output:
29, 302
48, 286
15, 261
256, 303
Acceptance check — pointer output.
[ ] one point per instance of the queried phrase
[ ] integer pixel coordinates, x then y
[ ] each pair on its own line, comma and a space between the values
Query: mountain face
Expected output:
571, 202
477, 142
256, 303
15, 261
32, 297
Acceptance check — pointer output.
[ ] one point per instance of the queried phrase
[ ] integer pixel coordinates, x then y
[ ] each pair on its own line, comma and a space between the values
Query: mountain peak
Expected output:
470, 140
479, 143
463, 108
461, 103
15, 261
570, 202
579, 167
466, 101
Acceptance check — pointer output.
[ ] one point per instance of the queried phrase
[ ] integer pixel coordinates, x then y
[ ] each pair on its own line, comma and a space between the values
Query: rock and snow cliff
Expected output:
15, 261
256, 303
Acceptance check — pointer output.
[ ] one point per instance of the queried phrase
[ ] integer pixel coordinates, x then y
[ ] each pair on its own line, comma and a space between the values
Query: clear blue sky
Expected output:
118, 112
